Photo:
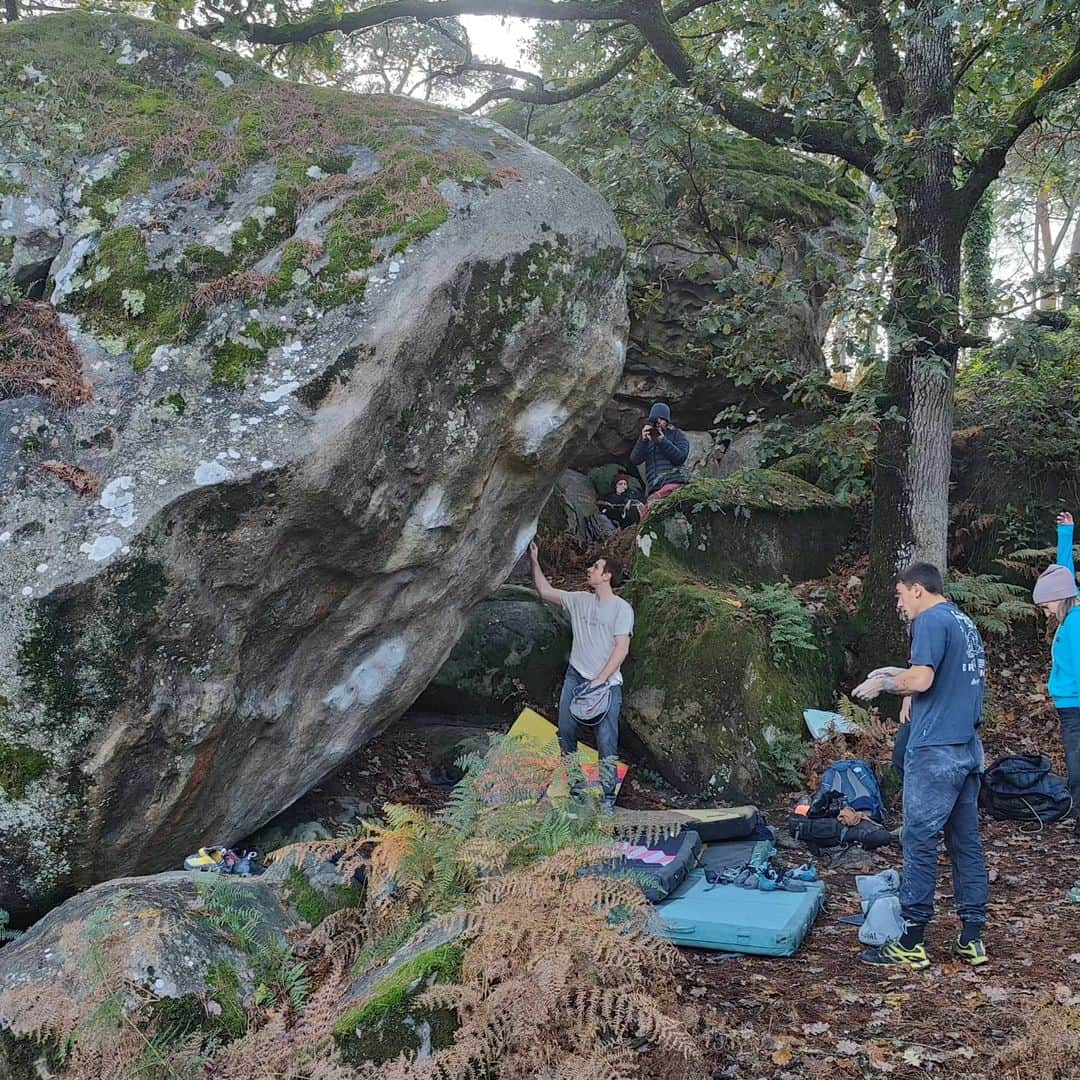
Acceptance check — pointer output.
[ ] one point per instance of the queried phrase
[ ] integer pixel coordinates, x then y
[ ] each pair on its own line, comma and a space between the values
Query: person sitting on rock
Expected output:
664, 450
619, 506
601, 624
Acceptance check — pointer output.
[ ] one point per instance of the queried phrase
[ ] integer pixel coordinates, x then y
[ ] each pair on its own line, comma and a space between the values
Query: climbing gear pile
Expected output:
220, 860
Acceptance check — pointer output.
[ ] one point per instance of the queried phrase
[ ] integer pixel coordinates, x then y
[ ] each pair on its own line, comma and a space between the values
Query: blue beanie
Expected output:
660, 411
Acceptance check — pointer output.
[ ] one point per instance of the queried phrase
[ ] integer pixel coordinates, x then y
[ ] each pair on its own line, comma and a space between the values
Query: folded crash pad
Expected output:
712, 825
660, 865
531, 727
734, 919
735, 853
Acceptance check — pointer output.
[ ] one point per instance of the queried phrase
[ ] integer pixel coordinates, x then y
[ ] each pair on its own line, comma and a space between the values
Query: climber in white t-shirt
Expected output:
601, 623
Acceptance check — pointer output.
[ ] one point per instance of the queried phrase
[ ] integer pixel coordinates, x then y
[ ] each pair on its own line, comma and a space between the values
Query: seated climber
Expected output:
619, 506
601, 624
664, 450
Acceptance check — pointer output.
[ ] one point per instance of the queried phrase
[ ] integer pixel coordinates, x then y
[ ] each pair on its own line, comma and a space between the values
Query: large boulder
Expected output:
756, 526
706, 692
513, 652
339, 349
714, 682
160, 935
738, 251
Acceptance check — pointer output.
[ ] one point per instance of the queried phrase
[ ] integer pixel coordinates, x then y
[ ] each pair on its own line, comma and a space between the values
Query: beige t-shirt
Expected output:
594, 626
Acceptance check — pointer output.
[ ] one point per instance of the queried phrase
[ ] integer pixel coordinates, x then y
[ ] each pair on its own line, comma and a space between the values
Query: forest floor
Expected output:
821, 1012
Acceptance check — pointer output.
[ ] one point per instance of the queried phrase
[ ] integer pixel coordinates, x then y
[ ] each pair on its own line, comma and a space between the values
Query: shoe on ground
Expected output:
973, 953
893, 955
206, 859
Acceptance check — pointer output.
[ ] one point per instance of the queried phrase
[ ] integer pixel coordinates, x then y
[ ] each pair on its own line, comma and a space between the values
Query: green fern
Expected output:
280, 978
7, 934
791, 626
1031, 562
784, 756
994, 605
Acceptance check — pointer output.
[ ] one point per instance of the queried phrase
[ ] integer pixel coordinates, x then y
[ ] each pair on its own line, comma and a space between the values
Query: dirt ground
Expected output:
822, 1013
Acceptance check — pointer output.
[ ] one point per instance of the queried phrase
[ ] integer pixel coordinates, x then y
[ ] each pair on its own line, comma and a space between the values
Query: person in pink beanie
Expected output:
1056, 593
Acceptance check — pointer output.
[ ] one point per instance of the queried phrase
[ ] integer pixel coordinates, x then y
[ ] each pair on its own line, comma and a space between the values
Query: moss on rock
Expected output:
760, 525
19, 767
77, 658
170, 119
704, 695
312, 904
388, 1024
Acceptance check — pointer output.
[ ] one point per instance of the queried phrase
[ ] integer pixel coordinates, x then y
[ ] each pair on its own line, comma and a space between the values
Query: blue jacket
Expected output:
1065, 671
662, 459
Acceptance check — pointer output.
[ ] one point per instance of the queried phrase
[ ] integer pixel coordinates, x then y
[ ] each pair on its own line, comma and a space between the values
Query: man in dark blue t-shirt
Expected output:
946, 680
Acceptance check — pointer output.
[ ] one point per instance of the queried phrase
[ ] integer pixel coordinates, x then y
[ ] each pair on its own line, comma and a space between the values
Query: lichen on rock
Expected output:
336, 367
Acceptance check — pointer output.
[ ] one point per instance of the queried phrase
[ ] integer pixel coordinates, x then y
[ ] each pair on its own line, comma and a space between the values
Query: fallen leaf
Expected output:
878, 1060
782, 1056
815, 1029
913, 1056
846, 1046
995, 994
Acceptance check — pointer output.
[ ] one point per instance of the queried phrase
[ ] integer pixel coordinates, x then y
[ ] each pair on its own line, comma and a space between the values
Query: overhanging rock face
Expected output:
339, 349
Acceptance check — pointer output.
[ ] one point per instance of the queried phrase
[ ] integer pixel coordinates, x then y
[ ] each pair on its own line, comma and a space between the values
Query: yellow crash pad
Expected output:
536, 730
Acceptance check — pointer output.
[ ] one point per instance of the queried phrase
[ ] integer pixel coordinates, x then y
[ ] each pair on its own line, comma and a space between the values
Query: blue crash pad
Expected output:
735, 919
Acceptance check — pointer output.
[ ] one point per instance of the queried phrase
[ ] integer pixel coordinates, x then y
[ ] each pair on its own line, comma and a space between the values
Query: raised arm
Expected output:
1065, 541
543, 586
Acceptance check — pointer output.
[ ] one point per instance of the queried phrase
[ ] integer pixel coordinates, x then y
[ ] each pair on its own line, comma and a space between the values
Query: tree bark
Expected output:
1045, 241
911, 478
11, 10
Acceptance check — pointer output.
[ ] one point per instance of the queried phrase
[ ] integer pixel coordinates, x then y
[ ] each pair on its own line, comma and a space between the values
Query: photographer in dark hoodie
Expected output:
664, 450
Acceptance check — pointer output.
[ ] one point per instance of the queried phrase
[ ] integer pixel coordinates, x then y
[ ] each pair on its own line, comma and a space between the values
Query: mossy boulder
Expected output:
697, 280
386, 1021
338, 351
166, 936
514, 651
760, 525
706, 693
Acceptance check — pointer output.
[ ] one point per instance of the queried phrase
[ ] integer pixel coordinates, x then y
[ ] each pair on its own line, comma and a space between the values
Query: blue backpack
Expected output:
855, 782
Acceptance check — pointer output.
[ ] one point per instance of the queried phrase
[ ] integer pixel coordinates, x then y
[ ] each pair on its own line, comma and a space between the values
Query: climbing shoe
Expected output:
971, 952
893, 954
207, 858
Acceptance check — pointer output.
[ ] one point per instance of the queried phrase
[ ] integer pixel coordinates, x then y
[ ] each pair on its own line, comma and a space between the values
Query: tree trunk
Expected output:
1045, 241
911, 478
11, 10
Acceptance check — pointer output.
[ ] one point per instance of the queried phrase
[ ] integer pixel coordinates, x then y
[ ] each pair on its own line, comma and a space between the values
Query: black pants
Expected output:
1070, 738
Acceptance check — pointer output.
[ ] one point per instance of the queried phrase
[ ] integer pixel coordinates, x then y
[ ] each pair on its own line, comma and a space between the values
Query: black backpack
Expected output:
818, 833
1021, 787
